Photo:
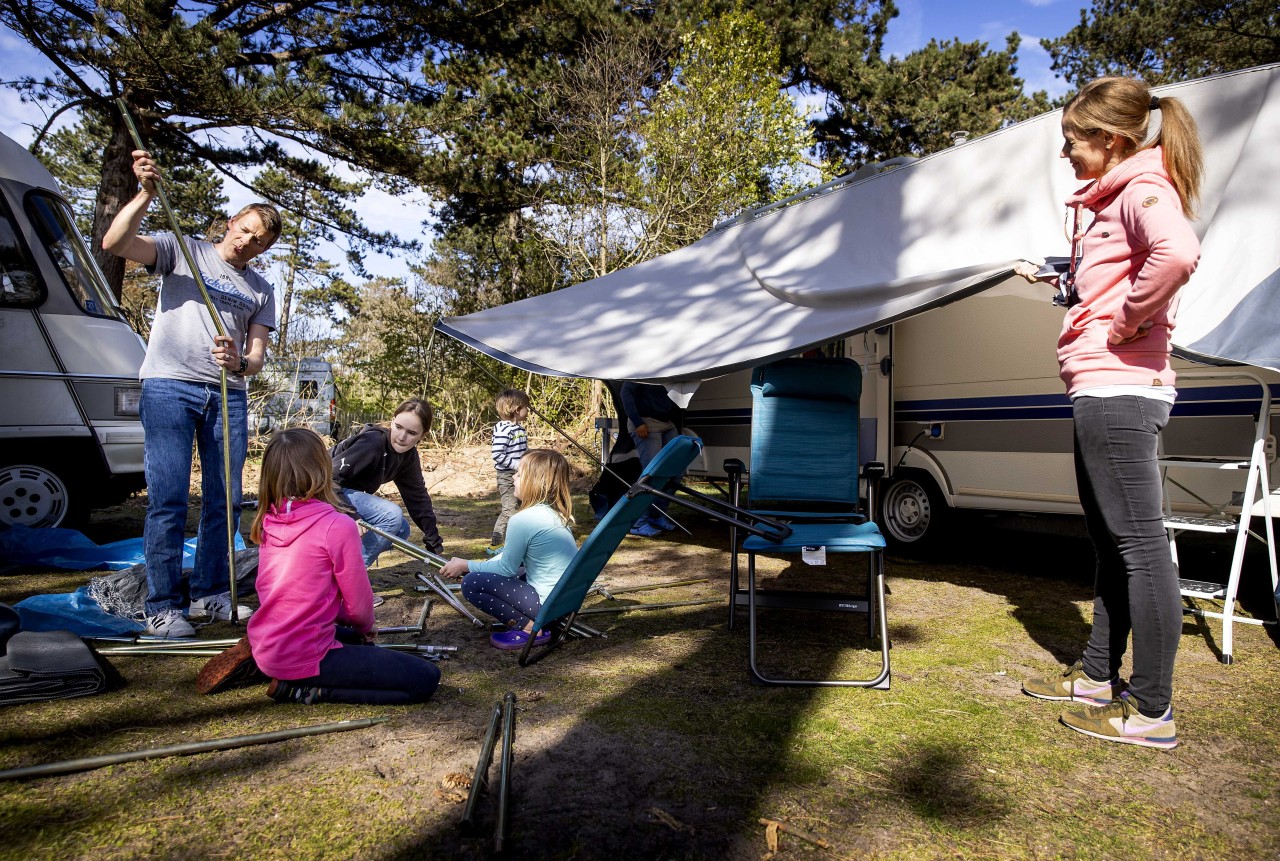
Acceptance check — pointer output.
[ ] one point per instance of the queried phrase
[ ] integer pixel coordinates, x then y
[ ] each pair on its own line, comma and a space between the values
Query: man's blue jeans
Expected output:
175, 415
379, 512
648, 449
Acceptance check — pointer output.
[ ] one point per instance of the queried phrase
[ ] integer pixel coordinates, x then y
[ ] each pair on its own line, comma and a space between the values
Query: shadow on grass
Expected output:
1017, 565
683, 753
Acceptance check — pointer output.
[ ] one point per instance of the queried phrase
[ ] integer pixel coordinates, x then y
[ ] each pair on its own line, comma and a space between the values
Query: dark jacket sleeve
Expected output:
413, 492
629, 403
358, 465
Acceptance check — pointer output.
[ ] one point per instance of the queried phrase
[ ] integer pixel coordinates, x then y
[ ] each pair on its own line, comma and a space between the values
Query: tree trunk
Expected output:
117, 186
290, 276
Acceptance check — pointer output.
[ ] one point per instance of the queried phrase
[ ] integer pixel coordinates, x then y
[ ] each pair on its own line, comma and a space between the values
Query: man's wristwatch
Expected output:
244, 366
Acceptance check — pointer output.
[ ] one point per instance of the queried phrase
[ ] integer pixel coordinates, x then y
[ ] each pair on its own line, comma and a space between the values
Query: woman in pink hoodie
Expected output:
313, 632
1125, 272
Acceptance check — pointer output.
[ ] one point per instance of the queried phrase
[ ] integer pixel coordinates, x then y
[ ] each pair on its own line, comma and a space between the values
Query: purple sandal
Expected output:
514, 639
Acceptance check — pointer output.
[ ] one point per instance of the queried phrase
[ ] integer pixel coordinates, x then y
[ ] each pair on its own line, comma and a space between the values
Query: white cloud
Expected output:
994, 33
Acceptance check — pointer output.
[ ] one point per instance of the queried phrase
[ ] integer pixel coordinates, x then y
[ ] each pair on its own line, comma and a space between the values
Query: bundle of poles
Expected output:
504, 715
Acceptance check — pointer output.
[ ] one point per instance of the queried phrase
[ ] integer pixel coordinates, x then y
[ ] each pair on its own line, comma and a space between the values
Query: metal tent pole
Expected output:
89, 763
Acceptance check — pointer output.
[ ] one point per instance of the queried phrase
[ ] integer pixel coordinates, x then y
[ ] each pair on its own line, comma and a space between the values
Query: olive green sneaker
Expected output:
1075, 685
1121, 721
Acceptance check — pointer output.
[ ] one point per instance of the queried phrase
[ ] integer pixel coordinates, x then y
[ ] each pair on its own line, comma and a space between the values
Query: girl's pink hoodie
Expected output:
311, 577
1136, 255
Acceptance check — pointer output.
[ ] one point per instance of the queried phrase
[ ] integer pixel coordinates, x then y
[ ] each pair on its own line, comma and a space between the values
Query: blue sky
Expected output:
989, 21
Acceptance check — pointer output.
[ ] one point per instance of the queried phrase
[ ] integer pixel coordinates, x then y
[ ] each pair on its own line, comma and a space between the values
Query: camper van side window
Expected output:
19, 284
53, 221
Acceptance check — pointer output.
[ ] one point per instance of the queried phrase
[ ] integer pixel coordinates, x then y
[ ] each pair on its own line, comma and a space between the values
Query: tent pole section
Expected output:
481, 776
70, 766
504, 770
407, 546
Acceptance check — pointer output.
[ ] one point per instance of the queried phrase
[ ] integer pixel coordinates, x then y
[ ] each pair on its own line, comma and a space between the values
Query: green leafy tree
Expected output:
387, 342
311, 217
240, 84
721, 135
553, 138
1164, 41
73, 154
585, 212
911, 106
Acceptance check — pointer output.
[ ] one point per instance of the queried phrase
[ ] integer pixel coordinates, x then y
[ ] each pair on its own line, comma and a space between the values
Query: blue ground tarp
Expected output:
70, 550
22, 546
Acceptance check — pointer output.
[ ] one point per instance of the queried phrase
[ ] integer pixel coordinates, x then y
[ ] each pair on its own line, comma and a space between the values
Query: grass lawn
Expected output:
653, 743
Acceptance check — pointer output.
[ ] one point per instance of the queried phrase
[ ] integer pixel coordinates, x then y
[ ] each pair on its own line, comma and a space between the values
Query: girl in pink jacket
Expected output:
314, 630
1113, 354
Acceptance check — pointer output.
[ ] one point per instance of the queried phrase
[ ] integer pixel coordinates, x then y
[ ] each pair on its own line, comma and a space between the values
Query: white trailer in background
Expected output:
70, 438
909, 270
295, 393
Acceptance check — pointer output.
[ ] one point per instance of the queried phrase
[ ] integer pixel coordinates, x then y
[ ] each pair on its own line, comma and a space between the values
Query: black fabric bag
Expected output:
10, 622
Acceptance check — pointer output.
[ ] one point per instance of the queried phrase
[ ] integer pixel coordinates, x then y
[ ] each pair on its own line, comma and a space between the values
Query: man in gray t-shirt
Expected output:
183, 332
182, 400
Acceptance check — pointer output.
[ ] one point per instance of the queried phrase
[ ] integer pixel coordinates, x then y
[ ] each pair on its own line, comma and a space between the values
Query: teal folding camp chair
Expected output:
805, 473
659, 478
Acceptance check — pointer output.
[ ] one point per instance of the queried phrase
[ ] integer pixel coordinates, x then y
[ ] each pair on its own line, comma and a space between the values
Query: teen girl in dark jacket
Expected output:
377, 455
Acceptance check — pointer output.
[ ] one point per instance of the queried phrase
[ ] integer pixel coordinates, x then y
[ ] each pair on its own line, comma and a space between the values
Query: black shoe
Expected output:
286, 692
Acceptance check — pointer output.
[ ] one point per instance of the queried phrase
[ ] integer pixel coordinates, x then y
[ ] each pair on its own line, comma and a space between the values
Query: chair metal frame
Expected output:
808, 523
661, 479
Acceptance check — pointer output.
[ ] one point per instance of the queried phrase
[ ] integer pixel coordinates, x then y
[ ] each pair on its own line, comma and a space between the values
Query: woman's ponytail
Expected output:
1123, 107
1183, 155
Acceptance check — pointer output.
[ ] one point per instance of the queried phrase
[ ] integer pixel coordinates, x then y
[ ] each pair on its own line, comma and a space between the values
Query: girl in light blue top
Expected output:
512, 585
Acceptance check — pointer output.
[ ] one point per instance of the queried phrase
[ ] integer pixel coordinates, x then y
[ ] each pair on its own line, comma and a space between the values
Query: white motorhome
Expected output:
964, 406
295, 393
961, 396
70, 438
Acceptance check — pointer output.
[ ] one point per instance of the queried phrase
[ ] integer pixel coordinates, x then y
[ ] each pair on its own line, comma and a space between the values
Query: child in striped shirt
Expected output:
510, 442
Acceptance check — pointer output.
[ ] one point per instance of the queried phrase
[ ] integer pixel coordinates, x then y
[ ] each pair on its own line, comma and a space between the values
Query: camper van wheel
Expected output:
913, 513
35, 495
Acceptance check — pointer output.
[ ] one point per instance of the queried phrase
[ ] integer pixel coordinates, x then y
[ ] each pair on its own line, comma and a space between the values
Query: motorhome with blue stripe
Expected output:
964, 405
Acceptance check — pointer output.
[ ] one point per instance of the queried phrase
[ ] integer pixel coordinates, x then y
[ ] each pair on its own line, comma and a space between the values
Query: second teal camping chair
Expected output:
805, 473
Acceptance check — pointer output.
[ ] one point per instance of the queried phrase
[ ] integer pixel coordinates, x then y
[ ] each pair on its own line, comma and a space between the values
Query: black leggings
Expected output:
364, 674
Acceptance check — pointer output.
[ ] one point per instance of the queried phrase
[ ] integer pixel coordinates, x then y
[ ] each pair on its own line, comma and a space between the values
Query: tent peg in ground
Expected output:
504, 715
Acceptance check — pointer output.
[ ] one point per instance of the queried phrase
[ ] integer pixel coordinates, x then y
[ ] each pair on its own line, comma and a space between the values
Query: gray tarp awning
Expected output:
900, 242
